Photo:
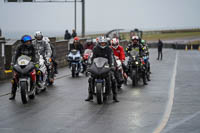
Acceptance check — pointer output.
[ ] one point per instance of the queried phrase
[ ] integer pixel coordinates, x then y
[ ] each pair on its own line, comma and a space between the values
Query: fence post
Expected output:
2, 57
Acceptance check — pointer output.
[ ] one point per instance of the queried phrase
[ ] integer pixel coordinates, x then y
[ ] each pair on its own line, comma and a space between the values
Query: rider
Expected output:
89, 44
53, 54
136, 46
145, 47
42, 47
146, 52
103, 50
119, 52
26, 48
77, 45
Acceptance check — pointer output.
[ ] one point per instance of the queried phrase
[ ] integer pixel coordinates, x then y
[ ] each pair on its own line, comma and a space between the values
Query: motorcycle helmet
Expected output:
135, 39
26, 38
143, 41
115, 43
38, 36
89, 41
76, 39
102, 42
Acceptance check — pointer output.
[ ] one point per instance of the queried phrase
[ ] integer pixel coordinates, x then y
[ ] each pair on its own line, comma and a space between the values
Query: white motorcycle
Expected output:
74, 58
42, 74
119, 74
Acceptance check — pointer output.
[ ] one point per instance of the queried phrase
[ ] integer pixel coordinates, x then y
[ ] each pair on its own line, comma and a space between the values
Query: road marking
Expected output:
181, 122
170, 101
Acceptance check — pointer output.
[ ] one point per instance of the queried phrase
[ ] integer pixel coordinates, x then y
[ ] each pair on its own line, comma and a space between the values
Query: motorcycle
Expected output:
25, 77
42, 75
87, 60
119, 73
74, 58
99, 72
136, 67
50, 70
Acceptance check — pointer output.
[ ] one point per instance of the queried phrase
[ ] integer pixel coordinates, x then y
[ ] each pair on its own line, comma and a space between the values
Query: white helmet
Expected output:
104, 41
38, 35
46, 39
135, 39
115, 43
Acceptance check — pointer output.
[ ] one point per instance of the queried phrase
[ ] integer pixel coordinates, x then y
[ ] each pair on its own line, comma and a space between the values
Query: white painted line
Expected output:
181, 122
170, 101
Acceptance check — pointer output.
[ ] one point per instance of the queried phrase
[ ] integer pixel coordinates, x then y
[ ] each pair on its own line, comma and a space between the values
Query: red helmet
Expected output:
76, 39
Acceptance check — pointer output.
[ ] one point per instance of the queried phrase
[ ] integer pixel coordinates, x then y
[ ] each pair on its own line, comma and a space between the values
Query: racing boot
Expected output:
114, 90
115, 98
13, 91
144, 81
90, 95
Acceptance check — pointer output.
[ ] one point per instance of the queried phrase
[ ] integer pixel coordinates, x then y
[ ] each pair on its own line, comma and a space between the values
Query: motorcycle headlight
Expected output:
136, 63
106, 66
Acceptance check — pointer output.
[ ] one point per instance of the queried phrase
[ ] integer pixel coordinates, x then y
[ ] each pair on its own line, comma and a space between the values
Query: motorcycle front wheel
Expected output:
134, 78
24, 93
99, 92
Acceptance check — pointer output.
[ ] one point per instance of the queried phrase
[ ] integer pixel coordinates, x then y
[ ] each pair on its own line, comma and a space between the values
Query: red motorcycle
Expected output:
87, 60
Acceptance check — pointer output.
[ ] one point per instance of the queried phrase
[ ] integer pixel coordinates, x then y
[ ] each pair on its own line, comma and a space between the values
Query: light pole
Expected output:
83, 18
75, 15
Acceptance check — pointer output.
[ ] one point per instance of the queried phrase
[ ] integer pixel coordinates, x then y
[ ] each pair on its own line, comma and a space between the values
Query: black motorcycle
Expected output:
99, 72
25, 77
136, 68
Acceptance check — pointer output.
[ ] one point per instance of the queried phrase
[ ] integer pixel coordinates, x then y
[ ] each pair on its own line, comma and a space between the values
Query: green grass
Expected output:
167, 36
153, 36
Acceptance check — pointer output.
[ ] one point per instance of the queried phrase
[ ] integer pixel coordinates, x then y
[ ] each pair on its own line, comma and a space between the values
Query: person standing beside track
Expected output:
160, 46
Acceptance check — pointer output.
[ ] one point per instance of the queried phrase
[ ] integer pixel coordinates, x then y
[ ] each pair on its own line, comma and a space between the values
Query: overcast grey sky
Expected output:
101, 15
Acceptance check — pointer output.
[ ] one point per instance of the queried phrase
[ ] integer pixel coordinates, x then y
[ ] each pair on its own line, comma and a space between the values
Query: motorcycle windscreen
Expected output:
74, 51
99, 67
100, 62
88, 51
23, 60
134, 52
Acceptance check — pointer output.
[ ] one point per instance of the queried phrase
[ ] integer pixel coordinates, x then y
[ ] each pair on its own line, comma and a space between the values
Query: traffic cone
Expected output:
186, 48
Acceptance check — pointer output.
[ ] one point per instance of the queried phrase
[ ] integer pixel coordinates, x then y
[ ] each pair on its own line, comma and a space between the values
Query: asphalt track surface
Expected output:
170, 103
